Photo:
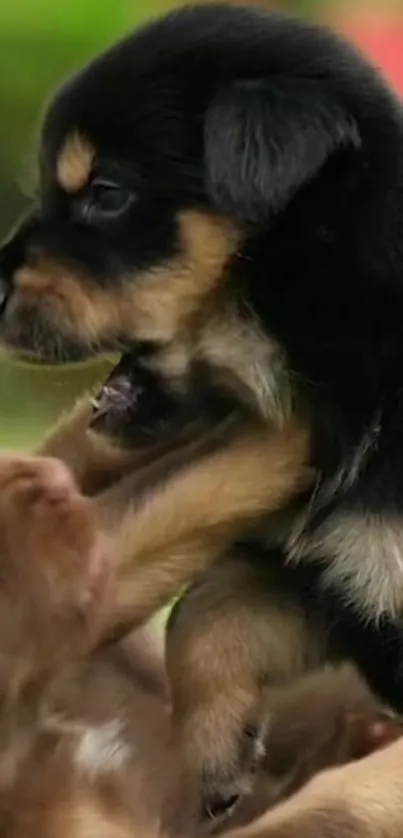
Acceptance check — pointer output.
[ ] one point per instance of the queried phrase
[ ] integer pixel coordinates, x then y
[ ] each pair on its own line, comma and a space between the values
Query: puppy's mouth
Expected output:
134, 404
118, 396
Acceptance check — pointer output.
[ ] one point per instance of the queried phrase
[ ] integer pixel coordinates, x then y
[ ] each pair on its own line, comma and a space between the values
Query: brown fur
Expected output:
167, 540
74, 163
95, 461
361, 800
70, 735
166, 537
234, 699
264, 638
300, 821
177, 532
86, 739
54, 568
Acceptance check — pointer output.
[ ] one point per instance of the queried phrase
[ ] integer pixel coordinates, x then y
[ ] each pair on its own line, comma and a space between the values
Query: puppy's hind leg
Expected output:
235, 632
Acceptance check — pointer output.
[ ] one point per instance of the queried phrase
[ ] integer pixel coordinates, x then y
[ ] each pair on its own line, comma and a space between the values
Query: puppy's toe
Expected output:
35, 483
48, 527
229, 780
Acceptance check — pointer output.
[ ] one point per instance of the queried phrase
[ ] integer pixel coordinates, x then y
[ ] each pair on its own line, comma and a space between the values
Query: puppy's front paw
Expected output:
49, 544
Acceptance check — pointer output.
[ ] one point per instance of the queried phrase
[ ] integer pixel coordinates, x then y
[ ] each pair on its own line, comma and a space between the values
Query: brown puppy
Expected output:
85, 738
86, 744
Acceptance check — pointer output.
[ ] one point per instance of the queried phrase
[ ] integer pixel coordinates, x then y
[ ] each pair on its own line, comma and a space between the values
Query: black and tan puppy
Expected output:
221, 195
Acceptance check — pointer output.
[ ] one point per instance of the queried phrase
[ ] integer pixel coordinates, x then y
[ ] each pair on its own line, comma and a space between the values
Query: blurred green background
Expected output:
42, 41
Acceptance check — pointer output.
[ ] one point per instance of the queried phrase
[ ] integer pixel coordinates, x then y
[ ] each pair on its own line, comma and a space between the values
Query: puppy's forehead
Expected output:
143, 100
74, 162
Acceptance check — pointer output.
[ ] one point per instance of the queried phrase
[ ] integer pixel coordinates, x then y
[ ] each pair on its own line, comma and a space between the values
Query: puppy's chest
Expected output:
356, 553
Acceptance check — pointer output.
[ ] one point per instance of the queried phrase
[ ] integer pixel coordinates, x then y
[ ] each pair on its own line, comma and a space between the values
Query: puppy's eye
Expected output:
106, 200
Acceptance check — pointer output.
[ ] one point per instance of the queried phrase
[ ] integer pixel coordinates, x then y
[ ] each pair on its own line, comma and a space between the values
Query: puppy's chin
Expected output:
30, 333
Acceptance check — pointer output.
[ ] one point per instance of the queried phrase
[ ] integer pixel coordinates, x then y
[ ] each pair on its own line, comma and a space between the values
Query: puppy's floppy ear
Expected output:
265, 138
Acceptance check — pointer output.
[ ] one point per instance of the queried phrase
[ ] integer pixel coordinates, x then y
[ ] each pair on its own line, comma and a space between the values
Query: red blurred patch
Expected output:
382, 40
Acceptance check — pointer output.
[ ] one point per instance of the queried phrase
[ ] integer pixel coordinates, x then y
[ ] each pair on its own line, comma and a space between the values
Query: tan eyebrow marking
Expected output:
75, 162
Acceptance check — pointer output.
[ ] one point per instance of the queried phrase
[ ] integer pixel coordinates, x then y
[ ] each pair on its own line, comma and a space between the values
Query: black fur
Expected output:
280, 127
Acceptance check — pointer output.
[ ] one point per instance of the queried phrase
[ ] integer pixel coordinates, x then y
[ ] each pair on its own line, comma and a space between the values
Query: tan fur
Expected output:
54, 569
74, 163
70, 300
74, 757
306, 821
87, 750
361, 800
329, 717
163, 542
238, 355
248, 362
178, 531
362, 555
168, 297
235, 632
167, 537
72, 813
95, 461
155, 307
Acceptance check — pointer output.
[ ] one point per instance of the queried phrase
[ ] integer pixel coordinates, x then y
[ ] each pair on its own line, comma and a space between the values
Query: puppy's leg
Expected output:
172, 535
98, 462
234, 633
94, 461
361, 800
326, 718
55, 570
